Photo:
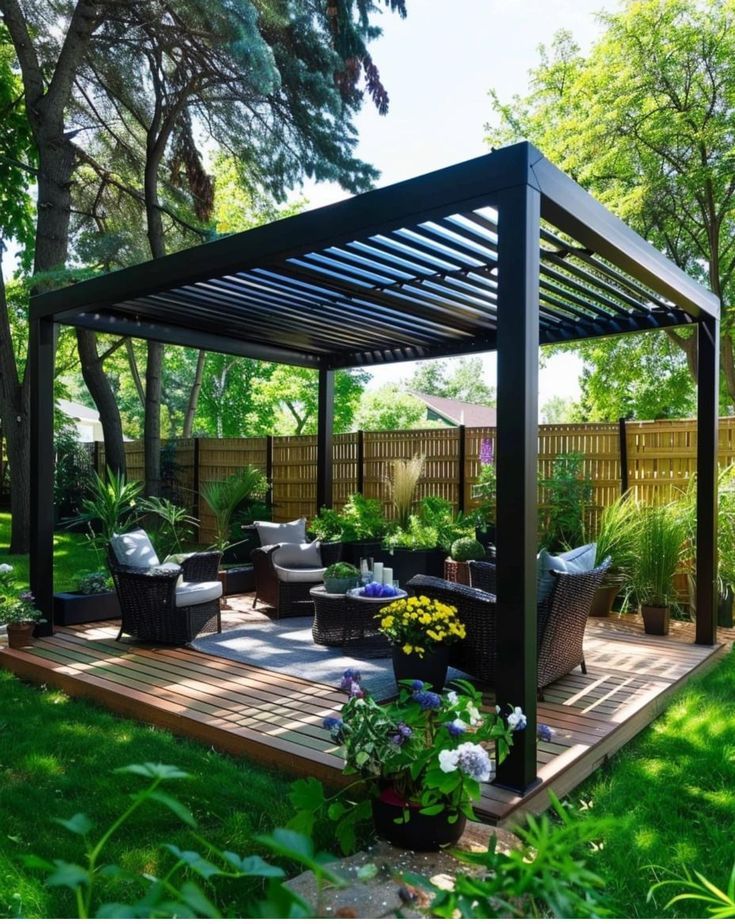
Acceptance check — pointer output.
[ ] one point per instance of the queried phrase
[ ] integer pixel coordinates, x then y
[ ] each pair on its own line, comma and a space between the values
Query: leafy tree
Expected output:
464, 382
645, 121
291, 392
559, 410
390, 408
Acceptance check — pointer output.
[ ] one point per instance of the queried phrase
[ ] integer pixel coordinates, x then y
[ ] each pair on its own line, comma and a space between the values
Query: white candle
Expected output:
378, 571
388, 576
363, 565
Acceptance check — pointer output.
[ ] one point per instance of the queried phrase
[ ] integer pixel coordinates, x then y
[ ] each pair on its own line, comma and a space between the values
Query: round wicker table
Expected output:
347, 620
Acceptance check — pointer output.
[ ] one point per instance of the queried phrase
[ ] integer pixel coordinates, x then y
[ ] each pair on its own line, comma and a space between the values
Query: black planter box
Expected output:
353, 552
240, 580
406, 563
73, 609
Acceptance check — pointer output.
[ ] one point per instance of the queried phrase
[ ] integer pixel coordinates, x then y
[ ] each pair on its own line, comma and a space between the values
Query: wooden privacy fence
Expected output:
653, 458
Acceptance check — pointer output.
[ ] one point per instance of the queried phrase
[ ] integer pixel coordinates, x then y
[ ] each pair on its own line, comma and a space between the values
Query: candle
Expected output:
388, 576
378, 571
363, 565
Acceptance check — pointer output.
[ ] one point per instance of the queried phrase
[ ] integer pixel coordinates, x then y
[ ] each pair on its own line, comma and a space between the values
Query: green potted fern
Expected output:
341, 577
660, 538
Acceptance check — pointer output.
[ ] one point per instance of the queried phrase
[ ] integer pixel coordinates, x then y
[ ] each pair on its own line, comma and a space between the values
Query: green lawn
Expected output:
56, 758
673, 792
72, 555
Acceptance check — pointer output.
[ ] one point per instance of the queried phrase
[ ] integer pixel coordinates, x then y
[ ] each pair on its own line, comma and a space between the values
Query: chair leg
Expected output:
583, 666
540, 696
119, 634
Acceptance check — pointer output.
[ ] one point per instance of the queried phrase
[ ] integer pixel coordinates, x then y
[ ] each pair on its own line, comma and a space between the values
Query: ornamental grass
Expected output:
417, 624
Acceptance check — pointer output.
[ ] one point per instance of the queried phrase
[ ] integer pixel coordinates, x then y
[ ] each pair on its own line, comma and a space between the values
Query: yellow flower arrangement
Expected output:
417, 624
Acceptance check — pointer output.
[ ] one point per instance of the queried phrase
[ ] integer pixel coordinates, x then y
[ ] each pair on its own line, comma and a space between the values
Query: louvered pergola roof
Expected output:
405, 272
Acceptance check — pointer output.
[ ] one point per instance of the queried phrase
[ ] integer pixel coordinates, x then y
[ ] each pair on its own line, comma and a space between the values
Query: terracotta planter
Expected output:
656, 619
432, 668
20, 635
457, 571
421, 833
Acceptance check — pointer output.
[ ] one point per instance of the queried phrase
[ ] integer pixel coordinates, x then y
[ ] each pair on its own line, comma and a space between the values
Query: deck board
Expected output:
277, 719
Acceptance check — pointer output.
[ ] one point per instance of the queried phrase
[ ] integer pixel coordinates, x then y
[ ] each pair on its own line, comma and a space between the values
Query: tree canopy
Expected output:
645, 121
465, 381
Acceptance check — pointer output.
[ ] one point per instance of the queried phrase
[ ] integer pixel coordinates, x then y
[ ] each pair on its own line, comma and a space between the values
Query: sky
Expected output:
438, 65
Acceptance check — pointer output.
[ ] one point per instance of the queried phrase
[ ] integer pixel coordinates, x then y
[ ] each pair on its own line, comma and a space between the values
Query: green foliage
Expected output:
548, 876
719, 902
362, 519
184, 889
463, 382
416, 535
175, 524
340, 570
567, 493
438, 513
16, 606
486, 490
93, 582
618, 534
390, 408
109, 507
660, 538
328, 526
73, 470
223, 498
645, 122
467, 549
407, 745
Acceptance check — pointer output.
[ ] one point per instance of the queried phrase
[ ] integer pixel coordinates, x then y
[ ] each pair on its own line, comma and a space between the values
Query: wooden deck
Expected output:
277, 719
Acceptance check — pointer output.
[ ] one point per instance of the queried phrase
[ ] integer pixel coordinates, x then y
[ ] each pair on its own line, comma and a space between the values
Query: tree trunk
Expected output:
194, 396
104, 399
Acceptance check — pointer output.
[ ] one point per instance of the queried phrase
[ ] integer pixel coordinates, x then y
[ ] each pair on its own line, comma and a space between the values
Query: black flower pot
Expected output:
421, 833
406, 563
432, 668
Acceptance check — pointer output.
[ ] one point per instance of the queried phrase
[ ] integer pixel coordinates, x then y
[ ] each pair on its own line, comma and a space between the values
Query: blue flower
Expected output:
427, 700
456, 727
350, 677
543, 732
403, 733
335, 727
417, 686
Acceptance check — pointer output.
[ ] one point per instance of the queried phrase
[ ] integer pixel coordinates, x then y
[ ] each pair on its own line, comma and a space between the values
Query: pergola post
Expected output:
324, 439
707, 432
42, 357
517, 454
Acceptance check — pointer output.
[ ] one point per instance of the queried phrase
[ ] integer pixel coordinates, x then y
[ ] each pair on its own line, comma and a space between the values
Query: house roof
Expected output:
406, 272
77, 411
459, 412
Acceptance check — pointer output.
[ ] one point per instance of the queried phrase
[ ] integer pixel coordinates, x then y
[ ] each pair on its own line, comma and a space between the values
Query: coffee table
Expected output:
347, 621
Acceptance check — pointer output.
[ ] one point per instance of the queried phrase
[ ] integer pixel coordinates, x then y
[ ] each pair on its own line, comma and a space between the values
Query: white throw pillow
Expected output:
134, 550
298, 555
276, 533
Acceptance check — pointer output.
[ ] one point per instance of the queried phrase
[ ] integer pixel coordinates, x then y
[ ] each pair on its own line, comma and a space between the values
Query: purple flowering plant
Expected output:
432, 750
16, 607
486, 487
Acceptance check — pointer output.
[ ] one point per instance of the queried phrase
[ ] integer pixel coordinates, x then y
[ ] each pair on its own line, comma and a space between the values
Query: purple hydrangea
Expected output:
487, 455
470, 759
456, 727
427, 700
543, 732
403, 733
27, 597
350, 677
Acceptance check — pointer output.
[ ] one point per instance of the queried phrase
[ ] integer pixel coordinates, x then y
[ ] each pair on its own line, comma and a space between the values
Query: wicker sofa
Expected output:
561, 620
167, 604
287, 590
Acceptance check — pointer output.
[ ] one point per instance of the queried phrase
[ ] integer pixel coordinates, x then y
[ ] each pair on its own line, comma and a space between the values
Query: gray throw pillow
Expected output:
575, 560
298, 555
276, 533
134, 549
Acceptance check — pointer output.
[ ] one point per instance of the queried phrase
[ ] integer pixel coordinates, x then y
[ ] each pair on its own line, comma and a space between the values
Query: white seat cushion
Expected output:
192, 593
276, 533
300, 575
134, 549
298, 555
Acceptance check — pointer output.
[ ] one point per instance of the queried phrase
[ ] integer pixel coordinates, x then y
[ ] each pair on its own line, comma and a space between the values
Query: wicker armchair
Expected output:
561, 621
166, 604
289, 597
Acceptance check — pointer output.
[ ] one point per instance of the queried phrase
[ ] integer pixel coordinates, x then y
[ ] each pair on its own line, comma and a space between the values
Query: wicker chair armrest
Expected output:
169, 574
483, 576
448, 591
201, 566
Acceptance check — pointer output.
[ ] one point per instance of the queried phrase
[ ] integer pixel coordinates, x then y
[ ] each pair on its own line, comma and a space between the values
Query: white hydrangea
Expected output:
6, 569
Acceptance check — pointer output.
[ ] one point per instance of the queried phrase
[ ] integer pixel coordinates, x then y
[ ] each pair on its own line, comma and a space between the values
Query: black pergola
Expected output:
503, 252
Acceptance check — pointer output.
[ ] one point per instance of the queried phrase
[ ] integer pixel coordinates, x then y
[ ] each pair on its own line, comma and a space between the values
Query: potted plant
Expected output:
421, 760
362, 527
415, 550
485, 490
93, 600
420, 631
464, 550
110, 507
18, 611
616, 539
341, 577
661, 533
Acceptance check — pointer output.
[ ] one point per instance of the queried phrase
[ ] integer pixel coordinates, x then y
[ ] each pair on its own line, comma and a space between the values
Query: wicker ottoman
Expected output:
347, 621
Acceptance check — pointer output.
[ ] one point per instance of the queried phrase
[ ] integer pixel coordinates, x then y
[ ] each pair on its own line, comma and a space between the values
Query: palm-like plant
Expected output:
176, 523
224, 497
402, 485
109, 508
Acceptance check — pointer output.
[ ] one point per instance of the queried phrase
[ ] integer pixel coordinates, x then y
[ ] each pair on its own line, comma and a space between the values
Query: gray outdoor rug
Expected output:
286, 646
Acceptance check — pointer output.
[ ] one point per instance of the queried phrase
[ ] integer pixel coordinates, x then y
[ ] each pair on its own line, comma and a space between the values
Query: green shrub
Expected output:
467, 549
93, 582
340, 570
568, 494
363, 520
328, 526
416, 535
